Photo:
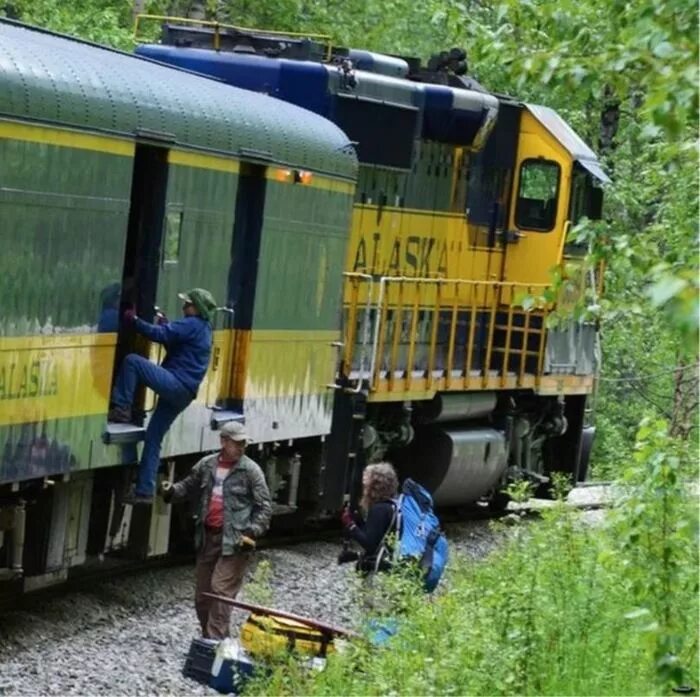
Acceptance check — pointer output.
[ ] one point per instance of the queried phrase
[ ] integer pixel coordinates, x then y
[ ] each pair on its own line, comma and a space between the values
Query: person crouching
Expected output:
380, 486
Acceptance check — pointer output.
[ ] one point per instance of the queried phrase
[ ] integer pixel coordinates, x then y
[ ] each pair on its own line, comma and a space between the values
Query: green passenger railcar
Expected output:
125, 181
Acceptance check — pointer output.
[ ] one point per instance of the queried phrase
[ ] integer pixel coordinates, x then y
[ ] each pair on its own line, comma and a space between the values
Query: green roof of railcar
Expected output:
66, 82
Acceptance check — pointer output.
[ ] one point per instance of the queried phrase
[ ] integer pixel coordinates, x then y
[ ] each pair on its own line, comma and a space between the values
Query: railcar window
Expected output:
537, 195
171, 244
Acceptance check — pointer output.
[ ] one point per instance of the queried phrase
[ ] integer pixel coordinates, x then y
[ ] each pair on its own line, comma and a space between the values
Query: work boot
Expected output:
134, 499
119, 415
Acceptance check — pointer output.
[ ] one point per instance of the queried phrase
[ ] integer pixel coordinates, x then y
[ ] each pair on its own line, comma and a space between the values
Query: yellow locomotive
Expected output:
463, 204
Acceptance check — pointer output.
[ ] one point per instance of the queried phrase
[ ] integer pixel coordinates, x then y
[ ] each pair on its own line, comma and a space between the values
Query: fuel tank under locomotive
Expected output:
455, 453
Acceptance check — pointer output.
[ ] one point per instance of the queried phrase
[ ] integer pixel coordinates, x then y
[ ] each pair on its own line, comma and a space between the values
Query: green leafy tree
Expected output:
103, 21
625, 75
656, 532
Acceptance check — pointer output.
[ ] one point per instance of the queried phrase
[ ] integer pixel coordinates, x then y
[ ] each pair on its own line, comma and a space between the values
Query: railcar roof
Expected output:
62, 81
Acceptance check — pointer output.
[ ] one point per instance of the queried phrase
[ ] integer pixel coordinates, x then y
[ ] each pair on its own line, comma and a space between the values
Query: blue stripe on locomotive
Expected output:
307, 85
298, 82
444, 122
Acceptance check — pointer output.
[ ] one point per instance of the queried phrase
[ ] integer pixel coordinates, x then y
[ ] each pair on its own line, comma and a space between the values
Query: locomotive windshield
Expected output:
537, 195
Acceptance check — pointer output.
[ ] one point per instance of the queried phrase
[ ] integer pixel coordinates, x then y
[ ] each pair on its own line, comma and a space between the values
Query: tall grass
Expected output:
561, 608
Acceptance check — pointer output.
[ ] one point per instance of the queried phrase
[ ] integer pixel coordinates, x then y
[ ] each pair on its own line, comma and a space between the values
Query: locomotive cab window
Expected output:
586, 196
536, 208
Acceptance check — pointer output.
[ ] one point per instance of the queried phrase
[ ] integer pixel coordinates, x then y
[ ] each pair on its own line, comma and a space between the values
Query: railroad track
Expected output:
114, 566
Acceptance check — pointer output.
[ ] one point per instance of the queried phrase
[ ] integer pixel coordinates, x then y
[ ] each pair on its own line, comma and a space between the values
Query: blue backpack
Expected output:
418, 533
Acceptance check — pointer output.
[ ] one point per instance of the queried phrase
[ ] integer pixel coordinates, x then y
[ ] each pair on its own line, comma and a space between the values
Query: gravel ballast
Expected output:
130, 635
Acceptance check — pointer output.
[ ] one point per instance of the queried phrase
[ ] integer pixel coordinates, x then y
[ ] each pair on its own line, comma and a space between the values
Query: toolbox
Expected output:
223, 665
200, 660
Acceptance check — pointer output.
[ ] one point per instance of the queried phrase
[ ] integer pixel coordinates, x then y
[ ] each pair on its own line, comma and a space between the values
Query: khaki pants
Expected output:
220, 575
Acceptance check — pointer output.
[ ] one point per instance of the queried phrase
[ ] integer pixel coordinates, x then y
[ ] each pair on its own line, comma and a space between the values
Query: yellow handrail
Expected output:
506, 352
470, 342
453, 334
222, 25
433, 334
396, 336
489, 341
401, 301
408, 375
526, 336
562, 244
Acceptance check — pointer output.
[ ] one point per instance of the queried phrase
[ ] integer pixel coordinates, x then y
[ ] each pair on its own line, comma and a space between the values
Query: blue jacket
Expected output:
188, 342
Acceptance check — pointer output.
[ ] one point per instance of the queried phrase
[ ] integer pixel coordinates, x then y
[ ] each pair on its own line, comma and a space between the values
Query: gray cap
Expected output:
234, 430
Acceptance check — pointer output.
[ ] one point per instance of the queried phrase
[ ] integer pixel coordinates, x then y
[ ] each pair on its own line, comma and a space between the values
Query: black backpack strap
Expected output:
426, 561
382, 549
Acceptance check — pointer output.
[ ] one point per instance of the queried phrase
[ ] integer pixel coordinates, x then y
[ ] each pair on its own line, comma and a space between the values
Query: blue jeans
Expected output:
173, 398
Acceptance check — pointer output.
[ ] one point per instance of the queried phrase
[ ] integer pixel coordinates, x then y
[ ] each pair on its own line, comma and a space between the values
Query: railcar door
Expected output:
143, 249
243, 276
491, 173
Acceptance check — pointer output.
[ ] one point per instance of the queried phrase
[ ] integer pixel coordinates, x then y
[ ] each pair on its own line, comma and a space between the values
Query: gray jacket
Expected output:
247, 501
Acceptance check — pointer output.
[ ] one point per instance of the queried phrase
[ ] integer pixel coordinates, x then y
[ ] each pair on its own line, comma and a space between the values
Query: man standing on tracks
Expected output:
233, 508
188, 342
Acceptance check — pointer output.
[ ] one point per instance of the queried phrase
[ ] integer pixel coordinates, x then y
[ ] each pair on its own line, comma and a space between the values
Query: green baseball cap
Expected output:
202, 299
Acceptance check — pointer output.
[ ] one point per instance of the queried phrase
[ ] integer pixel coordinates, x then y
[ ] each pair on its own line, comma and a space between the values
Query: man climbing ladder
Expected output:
188, 342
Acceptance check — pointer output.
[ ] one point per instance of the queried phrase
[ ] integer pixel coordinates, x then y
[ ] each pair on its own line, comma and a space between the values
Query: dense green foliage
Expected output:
562, 608
102, 21
625, 75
